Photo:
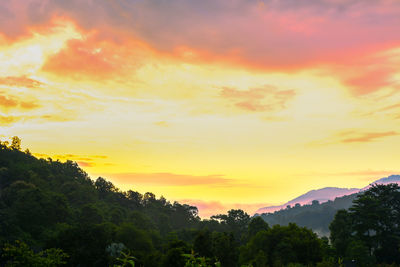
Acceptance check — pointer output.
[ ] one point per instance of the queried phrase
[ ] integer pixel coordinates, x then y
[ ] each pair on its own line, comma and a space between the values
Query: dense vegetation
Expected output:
53, 214
316, 216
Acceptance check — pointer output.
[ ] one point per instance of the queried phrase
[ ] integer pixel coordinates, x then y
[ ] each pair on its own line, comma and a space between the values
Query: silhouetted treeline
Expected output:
53, 214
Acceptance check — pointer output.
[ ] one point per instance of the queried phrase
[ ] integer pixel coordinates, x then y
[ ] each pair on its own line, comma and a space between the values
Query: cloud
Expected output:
370, 81
391, 107
8, 101
258, 99
370, 73
162, 123
7, 120
274, 35
80, 58
97, 58
20, 81
168, 179
85, 164
369, 173
209, 208
62, 117
354, 137
82, 160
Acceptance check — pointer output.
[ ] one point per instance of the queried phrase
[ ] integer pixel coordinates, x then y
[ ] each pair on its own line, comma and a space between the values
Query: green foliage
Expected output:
194, 261
369, 232
315, 216
21, 254
282, 245
256, 225
125, 260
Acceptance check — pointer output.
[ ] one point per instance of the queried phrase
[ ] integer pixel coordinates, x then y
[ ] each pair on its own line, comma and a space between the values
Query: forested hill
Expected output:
315, 216
47, 203
53, 214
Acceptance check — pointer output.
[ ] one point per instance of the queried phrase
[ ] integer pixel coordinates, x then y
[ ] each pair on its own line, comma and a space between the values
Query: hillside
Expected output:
314, 214
48, 203
321, 195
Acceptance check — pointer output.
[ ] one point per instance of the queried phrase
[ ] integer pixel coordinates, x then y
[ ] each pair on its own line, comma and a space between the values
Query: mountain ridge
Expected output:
326, 194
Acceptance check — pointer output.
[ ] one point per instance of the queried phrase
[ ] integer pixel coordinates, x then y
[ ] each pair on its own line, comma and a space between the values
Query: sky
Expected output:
216, 103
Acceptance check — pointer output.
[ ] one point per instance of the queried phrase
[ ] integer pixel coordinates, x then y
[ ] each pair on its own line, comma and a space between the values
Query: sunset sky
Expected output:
216, 103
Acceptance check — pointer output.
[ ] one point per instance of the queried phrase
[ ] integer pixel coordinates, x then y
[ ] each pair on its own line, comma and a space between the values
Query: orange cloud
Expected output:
366, 137
85, 164
13, 102
20, 81
7, 120
7, 102
84, 159
92, 57
168, 179
258, 99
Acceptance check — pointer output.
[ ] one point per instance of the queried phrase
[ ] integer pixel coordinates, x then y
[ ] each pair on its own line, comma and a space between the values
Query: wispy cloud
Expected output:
366, 137
368, 173
7, 120
268, 98
169, 179
20, 81
8, 101
86, 164
354, 136
162, 123
82, 160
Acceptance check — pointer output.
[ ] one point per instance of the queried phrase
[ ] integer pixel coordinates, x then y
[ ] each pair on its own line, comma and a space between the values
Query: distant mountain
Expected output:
392, 179
315, 216
321, 195
318, 214
325, 194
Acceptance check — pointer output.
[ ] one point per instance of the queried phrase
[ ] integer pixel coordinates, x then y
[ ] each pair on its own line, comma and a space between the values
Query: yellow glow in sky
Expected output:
197, 127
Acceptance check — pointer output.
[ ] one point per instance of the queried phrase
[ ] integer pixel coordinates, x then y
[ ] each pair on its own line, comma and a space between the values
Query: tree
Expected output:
15, 143
203, 243
256, 225
236, 220
21, 254
225, 249
372, 224
341, 232
281, 245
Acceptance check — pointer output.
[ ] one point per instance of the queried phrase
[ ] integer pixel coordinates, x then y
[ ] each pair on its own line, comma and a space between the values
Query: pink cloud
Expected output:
209, 208
370, 81
277, 34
